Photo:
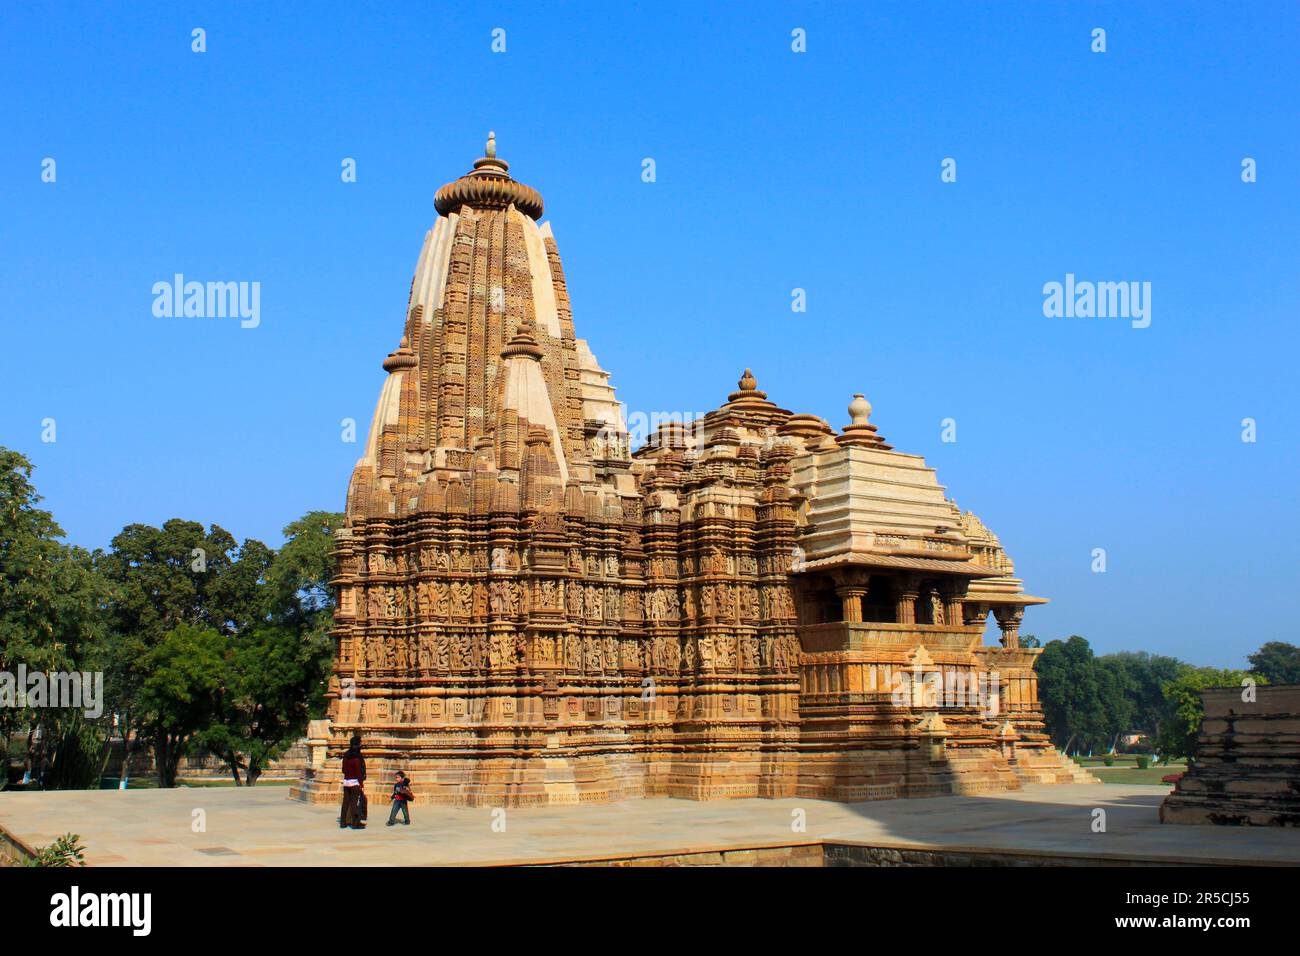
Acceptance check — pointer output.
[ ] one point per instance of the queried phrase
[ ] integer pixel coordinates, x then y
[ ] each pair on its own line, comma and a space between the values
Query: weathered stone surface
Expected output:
750, 605
1247, 767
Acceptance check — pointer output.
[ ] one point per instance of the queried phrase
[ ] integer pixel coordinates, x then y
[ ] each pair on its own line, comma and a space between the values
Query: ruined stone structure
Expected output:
1247, 766
529, 611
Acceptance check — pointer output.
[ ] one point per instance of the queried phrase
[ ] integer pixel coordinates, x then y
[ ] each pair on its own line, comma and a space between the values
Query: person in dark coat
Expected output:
354, 778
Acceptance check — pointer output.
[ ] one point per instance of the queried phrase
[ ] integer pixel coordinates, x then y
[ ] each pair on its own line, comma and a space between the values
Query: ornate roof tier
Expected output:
488, 186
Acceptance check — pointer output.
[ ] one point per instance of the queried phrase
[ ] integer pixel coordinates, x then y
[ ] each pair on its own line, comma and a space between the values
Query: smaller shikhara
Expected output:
749, 605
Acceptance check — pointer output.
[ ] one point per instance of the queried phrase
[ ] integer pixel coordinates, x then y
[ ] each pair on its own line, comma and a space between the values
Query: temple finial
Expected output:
491, 151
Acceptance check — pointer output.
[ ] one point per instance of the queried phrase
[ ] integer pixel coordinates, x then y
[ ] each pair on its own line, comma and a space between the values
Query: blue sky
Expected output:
775, 171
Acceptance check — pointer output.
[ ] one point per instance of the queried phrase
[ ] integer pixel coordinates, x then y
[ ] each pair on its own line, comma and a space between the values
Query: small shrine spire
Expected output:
748, 389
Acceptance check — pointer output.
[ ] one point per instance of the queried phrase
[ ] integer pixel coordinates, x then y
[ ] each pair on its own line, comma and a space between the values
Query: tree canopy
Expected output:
202, 640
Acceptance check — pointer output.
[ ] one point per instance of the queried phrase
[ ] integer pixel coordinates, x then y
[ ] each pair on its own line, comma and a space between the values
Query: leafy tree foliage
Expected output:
172, 584
1277, 663
1143, 677
1084, 702
201, 639
1184, 710
51, 619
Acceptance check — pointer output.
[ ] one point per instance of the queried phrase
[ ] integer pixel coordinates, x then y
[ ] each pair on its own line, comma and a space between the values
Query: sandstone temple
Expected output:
532, 611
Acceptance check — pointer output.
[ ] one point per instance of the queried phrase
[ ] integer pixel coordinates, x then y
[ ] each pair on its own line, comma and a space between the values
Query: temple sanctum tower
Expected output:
750, 605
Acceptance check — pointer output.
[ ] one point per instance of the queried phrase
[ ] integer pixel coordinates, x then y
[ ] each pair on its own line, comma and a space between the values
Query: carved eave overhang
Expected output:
896, 563
992, 597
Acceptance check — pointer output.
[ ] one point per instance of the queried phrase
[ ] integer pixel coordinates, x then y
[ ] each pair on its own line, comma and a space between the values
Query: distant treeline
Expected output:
1092, 703
202, 640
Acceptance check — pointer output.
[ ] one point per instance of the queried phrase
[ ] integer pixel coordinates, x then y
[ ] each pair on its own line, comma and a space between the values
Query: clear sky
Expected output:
775, 170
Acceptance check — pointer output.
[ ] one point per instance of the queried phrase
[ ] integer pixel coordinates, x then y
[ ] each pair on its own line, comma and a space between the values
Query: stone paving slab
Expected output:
262, 827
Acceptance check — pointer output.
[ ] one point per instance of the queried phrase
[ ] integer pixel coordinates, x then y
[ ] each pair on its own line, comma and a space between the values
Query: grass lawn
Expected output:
1117, 774
1125, 770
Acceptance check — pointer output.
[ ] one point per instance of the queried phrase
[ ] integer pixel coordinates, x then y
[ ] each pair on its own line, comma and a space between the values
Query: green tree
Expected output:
1083, 701
301, 594
1183, 708
1277, 663
267, 686
51, 619
277, 672
181, 692
1142, 677
179, 574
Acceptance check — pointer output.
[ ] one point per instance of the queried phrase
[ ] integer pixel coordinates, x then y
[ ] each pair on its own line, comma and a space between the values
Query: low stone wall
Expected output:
1247, 767
856, 854
203, 764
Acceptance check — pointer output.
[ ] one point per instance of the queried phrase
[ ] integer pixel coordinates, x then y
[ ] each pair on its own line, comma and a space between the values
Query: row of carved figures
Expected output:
462, 599
437, 558
444, 652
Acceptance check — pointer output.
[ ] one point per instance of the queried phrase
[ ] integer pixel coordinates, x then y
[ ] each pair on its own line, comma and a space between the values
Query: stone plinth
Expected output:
1247, 768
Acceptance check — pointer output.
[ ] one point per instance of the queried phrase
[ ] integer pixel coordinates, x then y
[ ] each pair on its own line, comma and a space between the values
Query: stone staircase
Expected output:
1048, 765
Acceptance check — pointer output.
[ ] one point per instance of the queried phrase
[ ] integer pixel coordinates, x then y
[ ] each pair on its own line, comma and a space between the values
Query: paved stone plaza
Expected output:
262, 827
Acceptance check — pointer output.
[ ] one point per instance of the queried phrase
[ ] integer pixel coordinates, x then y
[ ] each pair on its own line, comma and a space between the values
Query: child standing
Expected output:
401, 797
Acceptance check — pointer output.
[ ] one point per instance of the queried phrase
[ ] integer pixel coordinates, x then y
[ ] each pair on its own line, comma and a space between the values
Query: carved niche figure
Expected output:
460, 650
708, 656
706, 602
936, 607
461, 598
504, 600
725, 652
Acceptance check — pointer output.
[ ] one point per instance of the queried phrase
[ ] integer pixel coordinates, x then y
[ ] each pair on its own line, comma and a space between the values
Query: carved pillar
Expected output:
975, 613
851, 596
909, 589
954, 593
1009, 617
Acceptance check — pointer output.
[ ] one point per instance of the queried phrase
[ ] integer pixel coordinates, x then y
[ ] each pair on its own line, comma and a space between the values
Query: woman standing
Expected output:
354, 778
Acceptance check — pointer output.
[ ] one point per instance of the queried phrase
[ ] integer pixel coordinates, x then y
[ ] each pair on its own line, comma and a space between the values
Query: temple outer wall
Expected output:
1247, 768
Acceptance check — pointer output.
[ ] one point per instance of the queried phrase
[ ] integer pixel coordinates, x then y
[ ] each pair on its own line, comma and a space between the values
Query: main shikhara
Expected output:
530, 612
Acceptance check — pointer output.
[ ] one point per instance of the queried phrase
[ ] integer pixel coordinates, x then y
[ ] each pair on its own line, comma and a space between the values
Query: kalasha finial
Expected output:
402, 357
523, 342
860, 431
748, 389
859, 410
491, 151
